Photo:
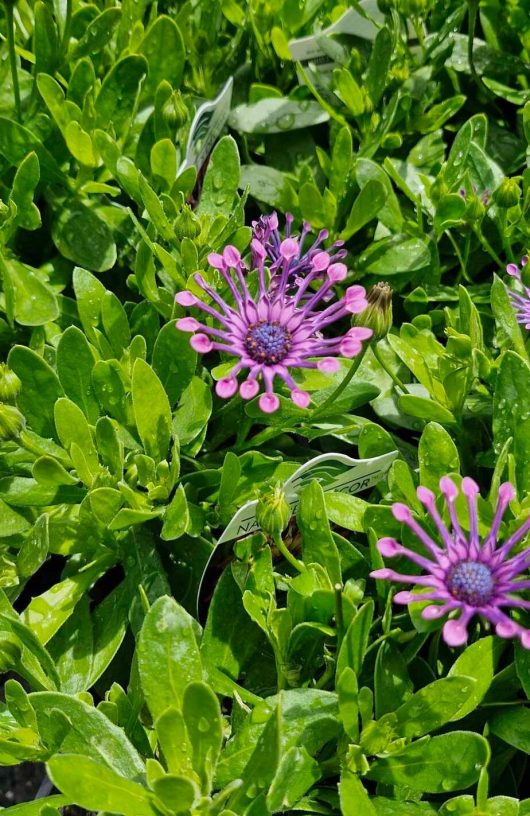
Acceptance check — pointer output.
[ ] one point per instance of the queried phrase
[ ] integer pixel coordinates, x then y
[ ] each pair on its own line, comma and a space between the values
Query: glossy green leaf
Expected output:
95, 787
40, 388
445, 763
152, 411
75, 361
168, 655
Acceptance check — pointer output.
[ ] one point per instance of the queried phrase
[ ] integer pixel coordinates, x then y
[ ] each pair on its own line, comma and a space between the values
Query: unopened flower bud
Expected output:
175, 111
11, 422
378, 314
273, 511
439, 189
508, 193
9, 384
392, 141
475, 209
187, 225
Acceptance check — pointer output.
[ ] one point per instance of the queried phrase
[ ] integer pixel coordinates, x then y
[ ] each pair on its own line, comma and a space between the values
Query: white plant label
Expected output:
334, 471
208, 122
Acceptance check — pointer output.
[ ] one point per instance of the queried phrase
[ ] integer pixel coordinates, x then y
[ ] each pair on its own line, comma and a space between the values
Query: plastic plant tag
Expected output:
208, 122
334, 471
309, 49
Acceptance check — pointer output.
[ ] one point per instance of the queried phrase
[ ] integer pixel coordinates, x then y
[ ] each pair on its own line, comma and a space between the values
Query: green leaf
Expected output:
426, 409
318, 545
89, 293
376, 75
17, 141
513, 726
93, 786
505, 316
193, 411
90, 733
26, 179
269, 185
173, 740
40, 388
81, 236
176, 792
445, 763
355, 640
391, 680
46, 613
263, 762
477, 661
116, 100
75, 362
152, 411
177, 517
432, 706
354, 799
97, 34
204, 725
438, 455
296, 773
168, 655
221, 180
73, 429
310, 714
366, 206
510, 414
163, 48
174, 360
45, 40
29, 299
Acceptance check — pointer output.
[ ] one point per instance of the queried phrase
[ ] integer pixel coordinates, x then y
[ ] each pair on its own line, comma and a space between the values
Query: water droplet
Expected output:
203, 725
286, 121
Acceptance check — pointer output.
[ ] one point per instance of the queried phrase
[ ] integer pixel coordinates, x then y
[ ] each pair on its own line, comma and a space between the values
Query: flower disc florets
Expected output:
281, 328
465, 575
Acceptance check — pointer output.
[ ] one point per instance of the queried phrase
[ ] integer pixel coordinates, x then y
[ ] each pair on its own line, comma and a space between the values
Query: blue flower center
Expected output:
268, 343
471, 582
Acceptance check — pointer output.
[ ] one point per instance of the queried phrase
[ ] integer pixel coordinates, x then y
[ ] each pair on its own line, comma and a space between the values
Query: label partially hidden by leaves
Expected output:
335, 472
313, 49
208, 122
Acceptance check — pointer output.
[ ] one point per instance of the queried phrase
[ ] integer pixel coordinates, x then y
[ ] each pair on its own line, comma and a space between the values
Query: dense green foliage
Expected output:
287, 689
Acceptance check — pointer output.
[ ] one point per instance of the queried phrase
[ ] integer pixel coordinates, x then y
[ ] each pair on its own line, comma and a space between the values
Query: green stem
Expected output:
339, 616
342, 385
463, 270
487, 246
506, 244
287, 554
10, 20
393, 376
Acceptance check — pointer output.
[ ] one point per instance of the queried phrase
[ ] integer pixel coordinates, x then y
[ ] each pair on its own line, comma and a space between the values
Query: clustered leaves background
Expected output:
120, 466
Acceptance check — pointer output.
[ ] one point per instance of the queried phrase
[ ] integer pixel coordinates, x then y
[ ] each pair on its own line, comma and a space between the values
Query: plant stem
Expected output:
342, 385
339, 616
287, 554
393, 376
487, 246
10, 20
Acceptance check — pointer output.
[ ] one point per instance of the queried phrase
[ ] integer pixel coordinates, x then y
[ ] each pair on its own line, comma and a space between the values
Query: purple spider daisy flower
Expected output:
266, 238
276, 331
465, 575
520, 301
